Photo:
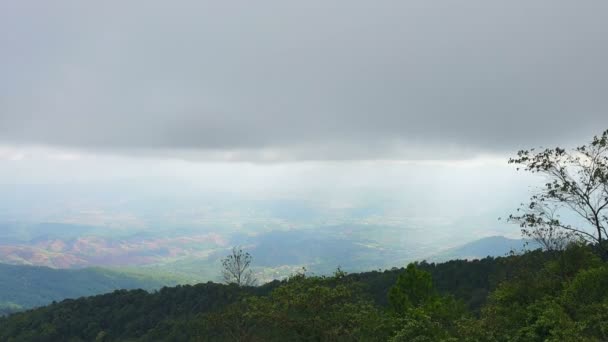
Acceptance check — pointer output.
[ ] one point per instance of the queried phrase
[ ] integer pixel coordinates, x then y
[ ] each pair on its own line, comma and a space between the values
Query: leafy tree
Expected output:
413, 288
424, 315
586, 299
577, 181
233, 323
320, 309
236, 268
536, 303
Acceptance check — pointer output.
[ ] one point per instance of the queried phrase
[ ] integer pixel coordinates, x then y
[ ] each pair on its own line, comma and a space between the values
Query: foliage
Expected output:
319, 309
536, 296
413, 288
577, 183
425, 315
541, 304
24, 287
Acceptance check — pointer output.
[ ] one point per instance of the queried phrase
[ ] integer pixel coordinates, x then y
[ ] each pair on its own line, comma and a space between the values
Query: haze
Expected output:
241, 118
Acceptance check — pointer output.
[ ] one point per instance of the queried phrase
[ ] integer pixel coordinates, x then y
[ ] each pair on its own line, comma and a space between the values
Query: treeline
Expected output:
23, 287
537, 296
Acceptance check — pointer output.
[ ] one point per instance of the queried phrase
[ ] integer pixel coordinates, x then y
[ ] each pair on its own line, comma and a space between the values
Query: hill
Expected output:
535, 296
193, 255
23, 287
494, 246
359, 306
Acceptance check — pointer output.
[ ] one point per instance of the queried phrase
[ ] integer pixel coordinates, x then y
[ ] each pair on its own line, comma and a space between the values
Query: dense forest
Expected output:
555, 293
24, 287
535, 296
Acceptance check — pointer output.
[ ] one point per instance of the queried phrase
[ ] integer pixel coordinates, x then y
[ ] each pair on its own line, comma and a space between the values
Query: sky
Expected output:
284, 97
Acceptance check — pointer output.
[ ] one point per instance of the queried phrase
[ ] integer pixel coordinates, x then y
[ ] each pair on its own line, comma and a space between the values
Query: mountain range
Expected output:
275, 254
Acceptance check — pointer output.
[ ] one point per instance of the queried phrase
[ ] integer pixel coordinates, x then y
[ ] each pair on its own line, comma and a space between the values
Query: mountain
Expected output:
450, 301
494, 246
95, 250
194, 254
23, 287
181, 311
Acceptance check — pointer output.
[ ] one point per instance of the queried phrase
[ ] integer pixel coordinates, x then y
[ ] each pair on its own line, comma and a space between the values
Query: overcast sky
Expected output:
307, 80
333, 101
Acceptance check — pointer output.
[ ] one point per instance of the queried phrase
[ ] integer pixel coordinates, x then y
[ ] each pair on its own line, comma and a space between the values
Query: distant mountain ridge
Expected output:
78, 247
494, 246
24, 287
191, 312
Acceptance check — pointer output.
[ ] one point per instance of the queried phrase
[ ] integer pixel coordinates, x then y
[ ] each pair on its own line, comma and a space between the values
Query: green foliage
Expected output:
425, 314
316, 308
305, 308
413, 288
24, 287
541, 304
588, 287
577, 183
586, 299
536, 296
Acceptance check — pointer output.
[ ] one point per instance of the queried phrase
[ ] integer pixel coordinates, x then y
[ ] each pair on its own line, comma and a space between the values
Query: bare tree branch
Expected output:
236, 268
577, 180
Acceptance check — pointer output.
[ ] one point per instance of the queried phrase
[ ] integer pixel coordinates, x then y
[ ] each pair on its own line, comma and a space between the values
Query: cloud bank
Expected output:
321, 80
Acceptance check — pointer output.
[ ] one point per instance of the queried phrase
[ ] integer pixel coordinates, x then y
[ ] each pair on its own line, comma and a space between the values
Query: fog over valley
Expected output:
347, 170
81, 211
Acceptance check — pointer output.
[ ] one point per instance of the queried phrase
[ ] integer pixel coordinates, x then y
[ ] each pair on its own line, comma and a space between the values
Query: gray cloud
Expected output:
308, 80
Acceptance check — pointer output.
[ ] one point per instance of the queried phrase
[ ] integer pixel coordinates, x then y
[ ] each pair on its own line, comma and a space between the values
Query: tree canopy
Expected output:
576, 187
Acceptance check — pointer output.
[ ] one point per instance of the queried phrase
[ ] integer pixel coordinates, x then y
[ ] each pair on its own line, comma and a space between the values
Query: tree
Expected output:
577, 183
232, 323
236, 268
423, 313
319, 308
413, 288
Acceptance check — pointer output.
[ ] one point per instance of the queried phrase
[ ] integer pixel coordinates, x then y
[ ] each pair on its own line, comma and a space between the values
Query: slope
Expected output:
23, 287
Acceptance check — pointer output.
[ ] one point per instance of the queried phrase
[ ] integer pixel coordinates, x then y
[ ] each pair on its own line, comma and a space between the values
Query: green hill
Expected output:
23, 287
536, 296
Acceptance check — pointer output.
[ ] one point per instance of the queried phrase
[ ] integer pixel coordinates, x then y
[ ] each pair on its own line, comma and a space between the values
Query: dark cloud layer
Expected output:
312, 79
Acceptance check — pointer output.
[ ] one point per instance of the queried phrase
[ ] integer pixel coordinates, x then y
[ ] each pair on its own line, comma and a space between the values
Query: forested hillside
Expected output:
23, 287
537, 296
